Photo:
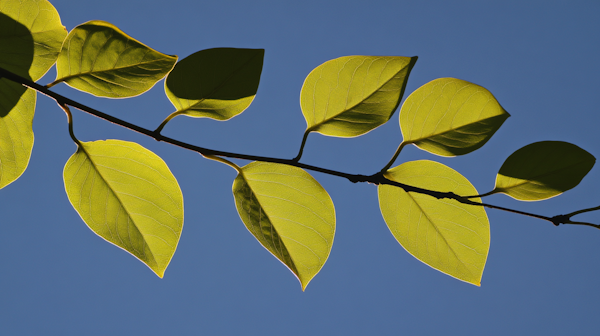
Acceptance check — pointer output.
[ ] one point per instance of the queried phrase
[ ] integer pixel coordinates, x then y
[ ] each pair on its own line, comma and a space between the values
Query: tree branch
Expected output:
377, 178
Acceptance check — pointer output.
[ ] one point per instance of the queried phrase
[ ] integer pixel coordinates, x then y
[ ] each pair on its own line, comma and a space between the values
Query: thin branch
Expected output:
377, 178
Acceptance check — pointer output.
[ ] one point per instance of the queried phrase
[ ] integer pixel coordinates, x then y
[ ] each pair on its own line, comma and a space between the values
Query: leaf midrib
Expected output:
88, 155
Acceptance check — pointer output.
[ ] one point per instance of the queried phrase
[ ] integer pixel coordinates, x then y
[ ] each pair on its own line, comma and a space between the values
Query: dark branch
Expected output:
377, 178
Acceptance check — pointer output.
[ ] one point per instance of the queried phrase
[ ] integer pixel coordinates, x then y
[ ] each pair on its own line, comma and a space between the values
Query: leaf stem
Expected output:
162, 125
70, 122
297, 158
387, 166
225, 161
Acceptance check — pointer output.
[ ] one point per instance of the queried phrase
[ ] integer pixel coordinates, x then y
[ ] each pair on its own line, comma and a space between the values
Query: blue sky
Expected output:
538, 58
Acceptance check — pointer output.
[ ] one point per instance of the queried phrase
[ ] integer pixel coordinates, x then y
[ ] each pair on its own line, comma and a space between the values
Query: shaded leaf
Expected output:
30, 48
450, 117
17, 107
449, 236
127, 195
542, 170
289, 213
100, 59
352, 95
17, 104
215, 83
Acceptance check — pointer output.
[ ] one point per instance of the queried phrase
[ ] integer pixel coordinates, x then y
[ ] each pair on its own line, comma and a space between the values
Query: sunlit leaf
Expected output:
449, 236
215, 83
450, 117
289, 213
127, 195
100, 59
352, 95
542, 170
17, 107
31, 48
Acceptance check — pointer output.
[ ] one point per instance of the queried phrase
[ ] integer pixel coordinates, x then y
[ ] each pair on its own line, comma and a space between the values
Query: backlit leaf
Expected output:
352, 95
289, 213
31, 48
17, 107
127, 195
542, 170
215, 83
451, 237
17, 104
450, 117
100, 59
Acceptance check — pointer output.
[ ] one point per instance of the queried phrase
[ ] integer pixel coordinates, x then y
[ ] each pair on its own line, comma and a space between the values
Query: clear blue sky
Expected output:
540, 60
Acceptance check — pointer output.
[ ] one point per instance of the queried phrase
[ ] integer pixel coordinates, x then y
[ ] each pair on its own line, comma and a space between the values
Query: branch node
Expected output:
560, 219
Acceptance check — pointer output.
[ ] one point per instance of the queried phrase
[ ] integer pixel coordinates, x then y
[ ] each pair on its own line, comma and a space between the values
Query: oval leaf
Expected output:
352, 95
542, 170
450, 117
127, 195
452, 237
289, 213
215, 83
100, 59
17, 107
34, 44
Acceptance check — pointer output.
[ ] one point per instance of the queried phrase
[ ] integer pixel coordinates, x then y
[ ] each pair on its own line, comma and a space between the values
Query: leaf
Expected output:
17, 107
215, 83
289, 213
542, 170
17, 104
33, 44
452, 237
100, 59
352, 95
450, 117
127, 195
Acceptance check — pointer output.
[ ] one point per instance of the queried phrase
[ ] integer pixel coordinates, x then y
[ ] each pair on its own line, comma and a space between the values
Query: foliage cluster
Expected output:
128, 196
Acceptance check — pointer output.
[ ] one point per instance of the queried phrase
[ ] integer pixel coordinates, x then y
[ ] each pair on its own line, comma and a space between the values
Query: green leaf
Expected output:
17, 107
450, 117
100, 59
127, 195
289, 213
352, 95
31, 48
452, 237
215, 83
17, 104
542, 170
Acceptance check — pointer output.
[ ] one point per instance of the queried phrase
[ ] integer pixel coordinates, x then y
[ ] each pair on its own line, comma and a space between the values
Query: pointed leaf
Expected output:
31, 48
17, 107
450, 117
542, 170
215, 83
352, 95
127, 195
451, 237
289, 213
100, 59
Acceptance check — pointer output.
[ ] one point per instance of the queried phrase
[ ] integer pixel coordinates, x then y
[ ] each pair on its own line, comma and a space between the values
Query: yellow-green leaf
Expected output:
289, 213
100, 59
449, 236
352, 95
450, 117
31, 48
127, 195
542, 170
217, 83
17, 107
